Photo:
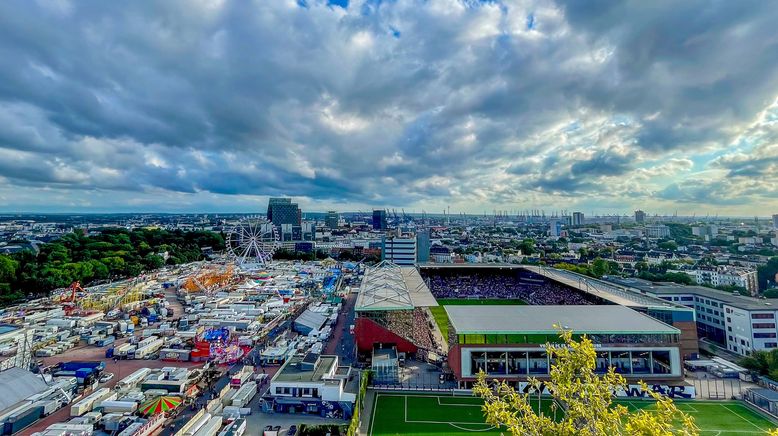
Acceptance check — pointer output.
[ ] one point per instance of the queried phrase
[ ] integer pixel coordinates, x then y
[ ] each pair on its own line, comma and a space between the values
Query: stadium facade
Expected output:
508, 342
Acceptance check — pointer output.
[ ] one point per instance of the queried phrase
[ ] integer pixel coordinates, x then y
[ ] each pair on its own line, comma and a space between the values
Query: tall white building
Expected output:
400, 250
658, 231
578, 218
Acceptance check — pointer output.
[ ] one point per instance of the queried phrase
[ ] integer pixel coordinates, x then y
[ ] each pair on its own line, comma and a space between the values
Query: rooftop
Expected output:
603, 289
296, 370
610, 319
391, 287
665, 288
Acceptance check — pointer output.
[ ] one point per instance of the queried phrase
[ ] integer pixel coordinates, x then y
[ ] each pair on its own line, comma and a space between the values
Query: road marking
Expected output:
743, 418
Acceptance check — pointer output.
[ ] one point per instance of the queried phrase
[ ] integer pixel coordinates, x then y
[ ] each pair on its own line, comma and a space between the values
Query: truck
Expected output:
122, 350
86, 404
245, 394
242, 376
76, 364
48, 406
176, 355
105, 341
22, 419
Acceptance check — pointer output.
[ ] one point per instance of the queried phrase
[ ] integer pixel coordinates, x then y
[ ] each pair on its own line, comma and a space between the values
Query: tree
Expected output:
8, 268
600, 267
668, 245
586, 400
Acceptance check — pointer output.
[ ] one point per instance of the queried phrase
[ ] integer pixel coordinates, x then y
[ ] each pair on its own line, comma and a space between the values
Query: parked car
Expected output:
105, 378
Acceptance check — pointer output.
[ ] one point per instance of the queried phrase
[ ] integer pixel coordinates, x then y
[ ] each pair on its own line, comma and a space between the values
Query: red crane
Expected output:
75, 286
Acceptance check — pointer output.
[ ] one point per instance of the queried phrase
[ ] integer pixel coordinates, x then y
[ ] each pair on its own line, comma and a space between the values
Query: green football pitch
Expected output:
423, 415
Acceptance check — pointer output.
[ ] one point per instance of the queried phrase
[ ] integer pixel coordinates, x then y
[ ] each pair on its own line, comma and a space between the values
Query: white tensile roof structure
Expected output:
388, 286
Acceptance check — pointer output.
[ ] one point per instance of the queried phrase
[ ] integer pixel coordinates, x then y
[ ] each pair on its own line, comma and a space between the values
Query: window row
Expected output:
538, 363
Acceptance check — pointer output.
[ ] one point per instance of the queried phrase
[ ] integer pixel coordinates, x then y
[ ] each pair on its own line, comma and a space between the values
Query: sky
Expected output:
214, 105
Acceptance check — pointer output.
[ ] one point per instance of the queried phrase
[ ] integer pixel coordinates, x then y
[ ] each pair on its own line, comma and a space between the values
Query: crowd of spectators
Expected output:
413, 326
504, 285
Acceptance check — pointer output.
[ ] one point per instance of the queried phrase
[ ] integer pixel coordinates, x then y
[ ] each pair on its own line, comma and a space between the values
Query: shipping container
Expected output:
113, 406
86, 404
48, 406
245, 394
75, 364
174, 355
22, 419
211, 427
105, 341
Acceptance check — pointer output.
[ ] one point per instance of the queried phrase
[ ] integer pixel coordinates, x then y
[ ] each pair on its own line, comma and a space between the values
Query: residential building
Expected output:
578, 219
379, 219
304, 232
640, 216
331, 219
400, 250
554, 228
313, 384
658, 231
440, 254
745, 278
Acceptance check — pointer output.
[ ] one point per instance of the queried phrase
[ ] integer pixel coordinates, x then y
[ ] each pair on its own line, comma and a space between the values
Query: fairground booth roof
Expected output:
387, 286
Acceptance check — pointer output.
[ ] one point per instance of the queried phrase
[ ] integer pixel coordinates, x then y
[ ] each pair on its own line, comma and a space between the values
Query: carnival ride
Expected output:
219, 346
209, 278
252, 242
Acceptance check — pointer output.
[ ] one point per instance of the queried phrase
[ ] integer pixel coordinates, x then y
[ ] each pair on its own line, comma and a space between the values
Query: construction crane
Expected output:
71, 298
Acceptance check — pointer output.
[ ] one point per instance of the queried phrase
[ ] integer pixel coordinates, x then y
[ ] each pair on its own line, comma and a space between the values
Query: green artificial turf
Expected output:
426, 415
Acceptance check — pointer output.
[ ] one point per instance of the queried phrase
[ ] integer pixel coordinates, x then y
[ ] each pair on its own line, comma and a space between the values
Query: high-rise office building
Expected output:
640, 216
578, 218
331, 219
775, 221
379, 219
283, 211
423, 246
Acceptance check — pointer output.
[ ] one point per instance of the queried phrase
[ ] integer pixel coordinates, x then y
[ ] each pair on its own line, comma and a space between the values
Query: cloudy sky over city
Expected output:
207, 105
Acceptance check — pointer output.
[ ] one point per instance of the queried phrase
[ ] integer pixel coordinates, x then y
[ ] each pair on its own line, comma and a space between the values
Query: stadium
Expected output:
497, 318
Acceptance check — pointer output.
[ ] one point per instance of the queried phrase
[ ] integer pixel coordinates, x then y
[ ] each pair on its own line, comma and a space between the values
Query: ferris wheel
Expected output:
252, 243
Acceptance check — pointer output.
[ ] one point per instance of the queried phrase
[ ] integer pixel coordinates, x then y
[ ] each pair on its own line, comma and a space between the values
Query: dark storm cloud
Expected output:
375, 102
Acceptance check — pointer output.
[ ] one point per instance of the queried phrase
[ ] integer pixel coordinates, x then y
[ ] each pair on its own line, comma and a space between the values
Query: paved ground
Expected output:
120, 369
342, 341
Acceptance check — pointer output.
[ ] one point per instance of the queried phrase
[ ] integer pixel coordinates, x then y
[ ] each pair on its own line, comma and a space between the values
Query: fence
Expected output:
356, 418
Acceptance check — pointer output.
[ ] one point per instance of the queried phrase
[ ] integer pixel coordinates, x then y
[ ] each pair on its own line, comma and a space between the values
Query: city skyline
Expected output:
212, 106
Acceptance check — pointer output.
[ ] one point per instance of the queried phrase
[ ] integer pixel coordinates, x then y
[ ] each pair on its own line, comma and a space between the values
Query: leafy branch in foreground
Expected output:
582, 398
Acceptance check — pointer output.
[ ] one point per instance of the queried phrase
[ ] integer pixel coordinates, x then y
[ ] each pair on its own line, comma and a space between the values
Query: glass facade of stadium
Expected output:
517, 356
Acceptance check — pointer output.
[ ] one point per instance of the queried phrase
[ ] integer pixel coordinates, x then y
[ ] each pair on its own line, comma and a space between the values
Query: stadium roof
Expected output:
607, 319
605, 290
387, 286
